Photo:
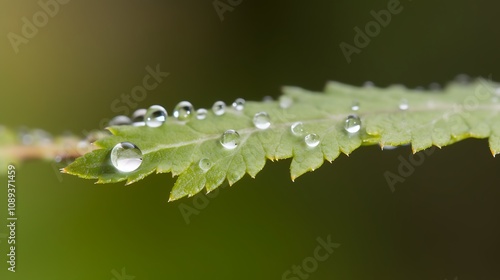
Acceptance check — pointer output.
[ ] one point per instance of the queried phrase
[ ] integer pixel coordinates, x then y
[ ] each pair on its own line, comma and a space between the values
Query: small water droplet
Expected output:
267, 98
230, 139
355, 106
239, 104
219, 108
297, 129
368, 84
155, 116
403, 105
285, 101
389, 147
352, 124
262, 120
138, 117
120, 120
126, 157
183, 111
312, 140
201, 113
205, 164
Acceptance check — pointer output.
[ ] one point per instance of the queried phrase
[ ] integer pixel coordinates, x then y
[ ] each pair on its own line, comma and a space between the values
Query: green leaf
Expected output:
435, 118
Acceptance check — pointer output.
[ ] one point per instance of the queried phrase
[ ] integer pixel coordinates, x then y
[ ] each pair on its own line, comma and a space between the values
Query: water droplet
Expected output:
355, 106
230, 139
368, 84
389, 147
285, 101
352, 124
219, 108
267, 98
126, 157
138, 117
262, 120
297, 129
239, 104
155, 116
201, 113
205, 164
312, 140
120, 120
403, 105
183, 111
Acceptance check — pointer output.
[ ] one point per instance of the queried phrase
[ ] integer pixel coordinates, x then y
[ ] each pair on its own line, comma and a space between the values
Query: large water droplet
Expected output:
230, 139
201, 113
138, 117
219, 108
403, 105
126, 157
352, 124
239, 104
120, 120
205, 164
297, 129
355, 106
183, 111
312, 140
285, 101
155, 116
262, 120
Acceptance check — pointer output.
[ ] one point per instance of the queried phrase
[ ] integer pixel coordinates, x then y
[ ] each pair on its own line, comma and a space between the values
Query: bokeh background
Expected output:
442, 222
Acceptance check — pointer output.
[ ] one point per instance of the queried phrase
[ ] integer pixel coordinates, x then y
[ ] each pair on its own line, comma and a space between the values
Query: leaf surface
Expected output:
437, 118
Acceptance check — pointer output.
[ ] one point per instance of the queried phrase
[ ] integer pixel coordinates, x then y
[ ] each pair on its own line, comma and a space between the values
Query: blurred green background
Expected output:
443, 222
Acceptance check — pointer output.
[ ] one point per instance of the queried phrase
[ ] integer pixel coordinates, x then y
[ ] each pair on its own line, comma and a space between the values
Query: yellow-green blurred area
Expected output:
441, 222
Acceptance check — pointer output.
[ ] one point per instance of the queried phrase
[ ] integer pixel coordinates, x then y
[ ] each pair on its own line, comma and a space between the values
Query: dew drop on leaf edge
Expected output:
138, 117
312, 140
126, 157
120, 120
239, 104
219, 108
261, 120
155, 116
352, 124
183, 111
201, 114
230, 139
